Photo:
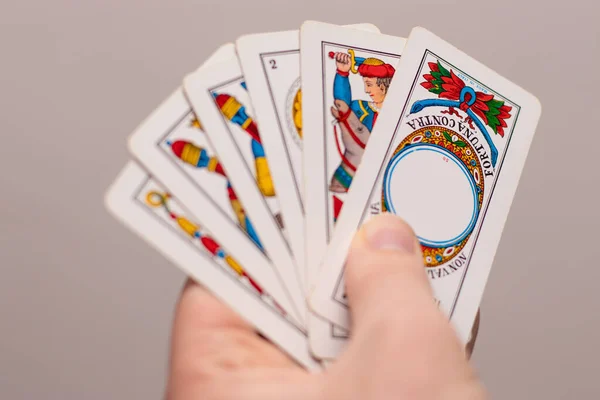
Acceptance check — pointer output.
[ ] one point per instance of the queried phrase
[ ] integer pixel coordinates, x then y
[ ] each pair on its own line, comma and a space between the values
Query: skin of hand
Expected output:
342, 61
402, 346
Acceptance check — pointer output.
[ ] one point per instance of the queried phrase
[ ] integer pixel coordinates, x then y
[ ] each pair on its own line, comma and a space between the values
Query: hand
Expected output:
402, 346
342, 61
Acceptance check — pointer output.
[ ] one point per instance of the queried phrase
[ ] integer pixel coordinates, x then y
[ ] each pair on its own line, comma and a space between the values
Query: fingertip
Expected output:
389, 232
384, 268
384, 233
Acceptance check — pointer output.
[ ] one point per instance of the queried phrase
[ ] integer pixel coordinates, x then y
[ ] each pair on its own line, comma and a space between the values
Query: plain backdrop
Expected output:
86, 306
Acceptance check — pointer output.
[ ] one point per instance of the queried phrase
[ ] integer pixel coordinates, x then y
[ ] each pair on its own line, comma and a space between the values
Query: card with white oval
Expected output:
446, 155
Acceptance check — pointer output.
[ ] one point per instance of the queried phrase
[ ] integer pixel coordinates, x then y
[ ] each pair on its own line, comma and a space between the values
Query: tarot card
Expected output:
345, 77
220, 100
447, 159
172, 145
271, 66
143, 204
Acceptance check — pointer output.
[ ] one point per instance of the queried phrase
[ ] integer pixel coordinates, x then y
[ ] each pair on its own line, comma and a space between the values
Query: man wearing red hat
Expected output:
377, 76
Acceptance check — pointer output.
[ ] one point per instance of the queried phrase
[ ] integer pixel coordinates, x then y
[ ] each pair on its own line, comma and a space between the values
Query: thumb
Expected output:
399, 337
385, 275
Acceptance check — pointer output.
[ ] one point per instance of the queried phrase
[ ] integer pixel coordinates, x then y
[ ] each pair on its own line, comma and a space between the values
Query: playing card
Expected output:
219, 97
340, 106
345, 77
447, 158
271, 66
144, 205
270, 63
172, 145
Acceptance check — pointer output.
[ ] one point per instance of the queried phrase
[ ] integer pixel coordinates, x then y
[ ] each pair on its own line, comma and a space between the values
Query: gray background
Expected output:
86, 307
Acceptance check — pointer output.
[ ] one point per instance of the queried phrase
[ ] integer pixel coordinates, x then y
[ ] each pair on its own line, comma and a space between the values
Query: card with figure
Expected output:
220, 99
172, 145
144, 205
345, 77
270, 63
447, 158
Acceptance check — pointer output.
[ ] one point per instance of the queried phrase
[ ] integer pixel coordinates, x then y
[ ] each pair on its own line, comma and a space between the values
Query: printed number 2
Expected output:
273, 64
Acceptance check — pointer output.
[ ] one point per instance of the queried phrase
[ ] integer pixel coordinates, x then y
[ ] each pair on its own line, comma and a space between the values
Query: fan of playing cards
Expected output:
254, 175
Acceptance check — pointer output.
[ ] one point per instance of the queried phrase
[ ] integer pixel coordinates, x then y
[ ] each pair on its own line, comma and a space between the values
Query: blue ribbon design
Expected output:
421, 104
